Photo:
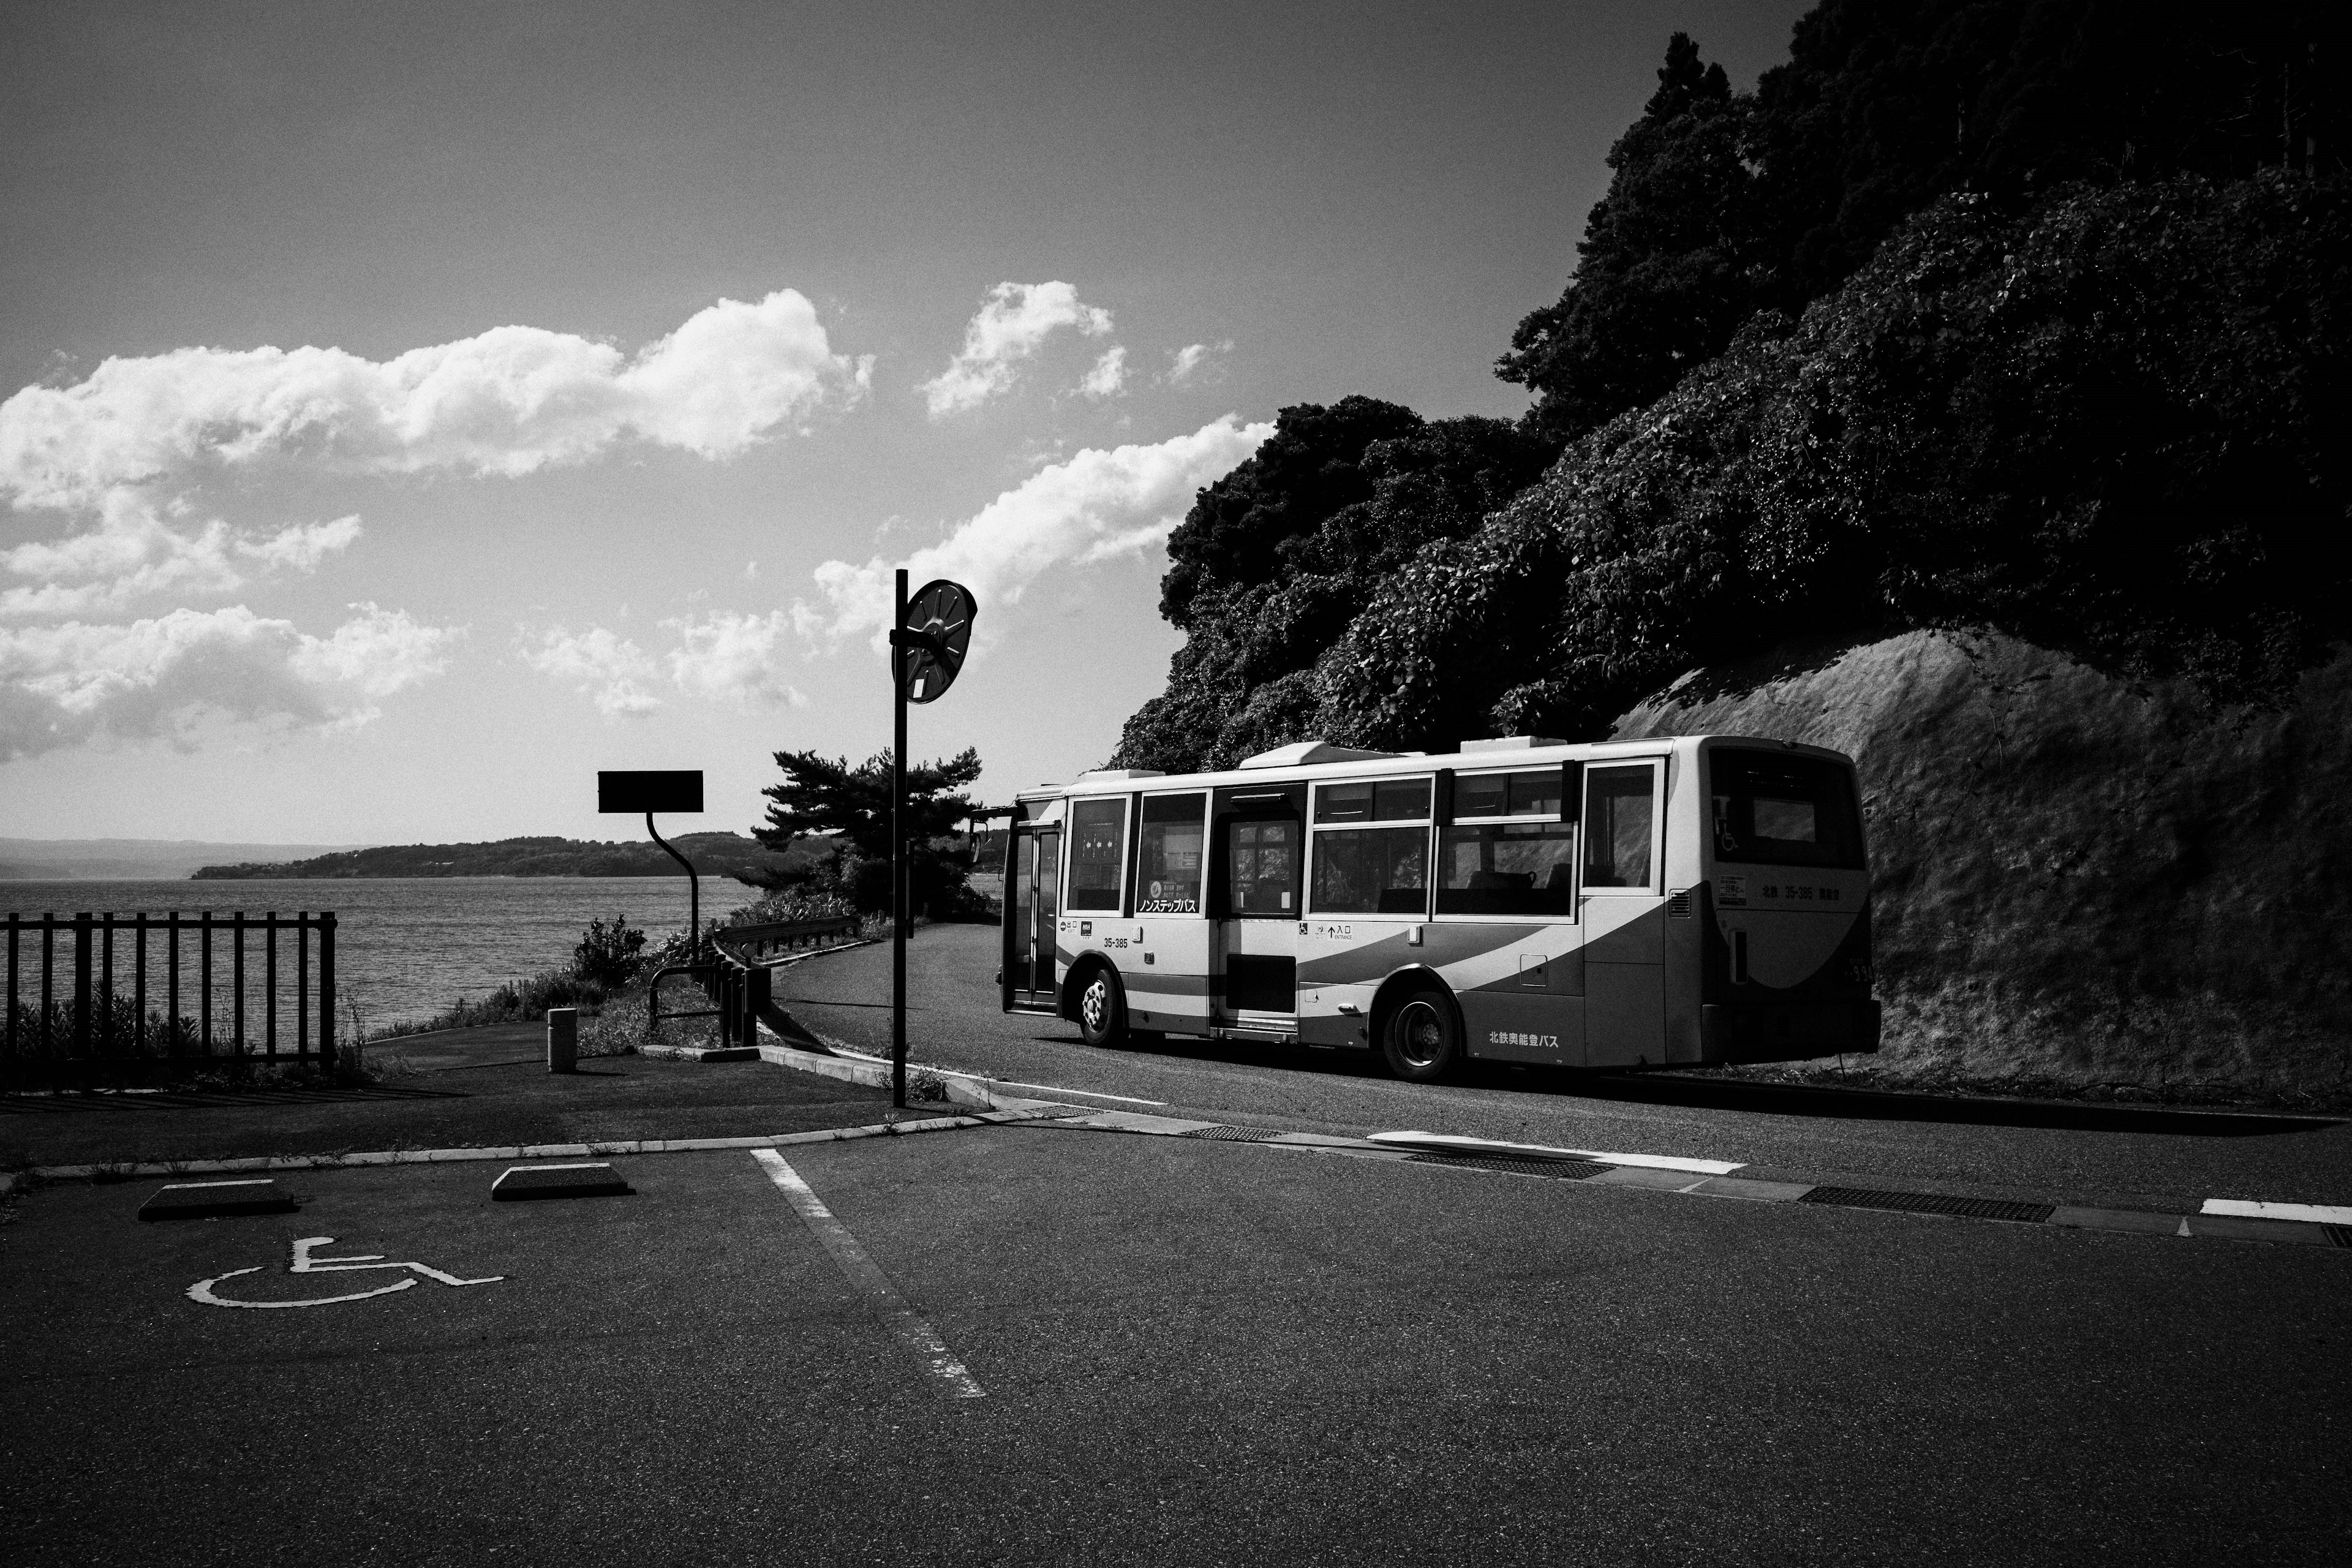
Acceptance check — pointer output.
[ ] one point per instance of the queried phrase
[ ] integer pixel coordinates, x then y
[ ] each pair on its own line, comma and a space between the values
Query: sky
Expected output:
407, 410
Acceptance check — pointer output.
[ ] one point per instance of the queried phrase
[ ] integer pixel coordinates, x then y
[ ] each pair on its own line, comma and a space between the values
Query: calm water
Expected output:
406, 947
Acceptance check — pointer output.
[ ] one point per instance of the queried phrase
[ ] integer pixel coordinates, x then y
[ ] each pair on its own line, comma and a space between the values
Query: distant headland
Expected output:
713, 853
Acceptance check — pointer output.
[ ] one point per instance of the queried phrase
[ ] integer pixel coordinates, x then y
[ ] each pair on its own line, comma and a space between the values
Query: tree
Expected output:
1258, 617
1307, 469
1668, 267
1725, 204
825, 796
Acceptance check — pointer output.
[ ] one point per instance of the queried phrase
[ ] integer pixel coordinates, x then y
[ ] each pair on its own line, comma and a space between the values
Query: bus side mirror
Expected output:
1571, 791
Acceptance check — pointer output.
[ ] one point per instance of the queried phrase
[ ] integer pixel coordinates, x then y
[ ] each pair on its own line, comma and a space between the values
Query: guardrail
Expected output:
736, 977
81, 1024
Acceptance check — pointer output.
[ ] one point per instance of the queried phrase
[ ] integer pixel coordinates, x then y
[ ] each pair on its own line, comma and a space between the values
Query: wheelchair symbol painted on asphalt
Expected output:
306, 1261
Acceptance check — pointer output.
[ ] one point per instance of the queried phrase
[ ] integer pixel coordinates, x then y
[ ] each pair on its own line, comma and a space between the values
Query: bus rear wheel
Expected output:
1102, 1008
1421, 1040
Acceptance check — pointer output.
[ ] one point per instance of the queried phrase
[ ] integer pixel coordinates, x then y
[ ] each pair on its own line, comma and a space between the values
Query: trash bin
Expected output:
562, 1039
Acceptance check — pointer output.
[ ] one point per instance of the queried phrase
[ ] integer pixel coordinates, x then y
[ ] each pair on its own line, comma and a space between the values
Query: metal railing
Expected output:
736, 979
82, 1023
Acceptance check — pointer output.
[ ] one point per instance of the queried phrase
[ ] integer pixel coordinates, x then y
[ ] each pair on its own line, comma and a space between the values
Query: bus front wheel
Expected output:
1102, 1008
1421, 1041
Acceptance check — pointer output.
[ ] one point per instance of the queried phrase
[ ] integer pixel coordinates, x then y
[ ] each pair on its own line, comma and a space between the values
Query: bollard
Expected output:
562, 1039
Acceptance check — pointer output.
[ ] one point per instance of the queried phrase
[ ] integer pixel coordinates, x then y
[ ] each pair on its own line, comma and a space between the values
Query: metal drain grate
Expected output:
1931, 1203
1558, 1170
1232, 1134
2341, 1234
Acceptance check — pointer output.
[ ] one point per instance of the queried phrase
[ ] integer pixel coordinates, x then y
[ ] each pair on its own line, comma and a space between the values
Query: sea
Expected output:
407, 947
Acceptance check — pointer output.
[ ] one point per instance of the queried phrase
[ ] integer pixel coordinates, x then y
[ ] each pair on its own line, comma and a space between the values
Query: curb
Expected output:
873, 1072
11, 1182
1481, 1157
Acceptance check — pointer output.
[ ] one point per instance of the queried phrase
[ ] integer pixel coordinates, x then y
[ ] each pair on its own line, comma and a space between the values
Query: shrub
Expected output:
609, 955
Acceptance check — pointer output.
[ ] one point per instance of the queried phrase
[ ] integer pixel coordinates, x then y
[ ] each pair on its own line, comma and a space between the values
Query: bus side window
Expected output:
1168, 872
1620, 826
1097, 838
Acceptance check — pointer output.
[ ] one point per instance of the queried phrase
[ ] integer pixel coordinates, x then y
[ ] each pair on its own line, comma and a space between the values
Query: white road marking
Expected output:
1443, 1140
1081, 1093
1003, 1082
2255, 1208
305, 1261
912, 1329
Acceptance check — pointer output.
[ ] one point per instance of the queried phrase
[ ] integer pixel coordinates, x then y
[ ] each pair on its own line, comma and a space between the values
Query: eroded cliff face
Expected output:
2078, 881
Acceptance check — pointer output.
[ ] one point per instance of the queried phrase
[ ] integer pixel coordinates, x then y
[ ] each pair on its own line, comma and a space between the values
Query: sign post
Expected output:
674, 790
929, 637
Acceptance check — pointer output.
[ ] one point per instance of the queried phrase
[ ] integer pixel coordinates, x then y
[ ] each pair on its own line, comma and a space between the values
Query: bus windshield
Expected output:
1773, 808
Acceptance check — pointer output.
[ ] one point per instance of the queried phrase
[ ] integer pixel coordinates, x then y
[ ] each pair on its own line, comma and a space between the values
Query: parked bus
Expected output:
1682, 901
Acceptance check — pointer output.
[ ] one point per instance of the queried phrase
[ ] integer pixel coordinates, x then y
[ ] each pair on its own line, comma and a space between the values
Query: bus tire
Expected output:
1422, 1037
1102, 1007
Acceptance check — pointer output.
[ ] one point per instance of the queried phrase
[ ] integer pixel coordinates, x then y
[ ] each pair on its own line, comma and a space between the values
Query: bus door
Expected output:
1623, 907
1033, 905
1257, 897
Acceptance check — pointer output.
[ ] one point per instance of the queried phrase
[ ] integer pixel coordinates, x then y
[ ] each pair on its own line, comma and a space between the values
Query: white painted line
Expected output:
2255, 1208
1081, 1093
1444, 1140
912, 1328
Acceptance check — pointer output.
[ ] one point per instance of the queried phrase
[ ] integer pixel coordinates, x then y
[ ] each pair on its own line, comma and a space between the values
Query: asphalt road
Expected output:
2119, 1155
1189, 1352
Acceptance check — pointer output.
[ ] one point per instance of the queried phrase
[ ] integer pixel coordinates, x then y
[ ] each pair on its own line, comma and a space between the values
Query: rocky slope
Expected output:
2080, 881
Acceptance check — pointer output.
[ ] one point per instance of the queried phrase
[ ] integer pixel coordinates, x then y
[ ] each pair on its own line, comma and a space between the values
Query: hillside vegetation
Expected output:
2017, 327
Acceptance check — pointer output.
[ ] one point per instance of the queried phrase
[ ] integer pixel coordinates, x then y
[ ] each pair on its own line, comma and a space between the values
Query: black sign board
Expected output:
676, 789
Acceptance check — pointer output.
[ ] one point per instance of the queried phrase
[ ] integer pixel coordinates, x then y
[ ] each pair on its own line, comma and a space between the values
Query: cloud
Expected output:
734, 658
724, 656
1195, 359
133, 552
510, 401
1014, 323
613, 670
121, 449
1091, 507
1109, 377
170, 677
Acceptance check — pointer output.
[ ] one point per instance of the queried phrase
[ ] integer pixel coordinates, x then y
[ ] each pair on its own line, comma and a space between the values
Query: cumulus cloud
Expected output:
1109, 377
170, 677
1196, 359
509, 401
135, 552
601, 664
735, 658
726, 656
1014, 323
121, 449
1095, 505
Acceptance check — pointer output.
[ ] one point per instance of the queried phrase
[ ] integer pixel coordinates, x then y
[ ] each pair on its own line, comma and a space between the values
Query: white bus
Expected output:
1681, 901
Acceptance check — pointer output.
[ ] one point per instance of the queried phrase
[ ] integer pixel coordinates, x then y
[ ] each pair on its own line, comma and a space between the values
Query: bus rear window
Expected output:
1772, 808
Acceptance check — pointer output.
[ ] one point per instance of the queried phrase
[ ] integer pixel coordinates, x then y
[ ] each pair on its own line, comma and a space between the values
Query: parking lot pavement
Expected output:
1185, 1350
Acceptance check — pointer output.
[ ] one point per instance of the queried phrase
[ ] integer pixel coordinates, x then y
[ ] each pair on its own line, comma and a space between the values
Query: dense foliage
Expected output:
848, 810
2026, 313
1276, 558
1724, 204
2112, 427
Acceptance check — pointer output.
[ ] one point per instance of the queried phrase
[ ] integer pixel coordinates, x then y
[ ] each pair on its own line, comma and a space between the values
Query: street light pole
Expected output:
898, 879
